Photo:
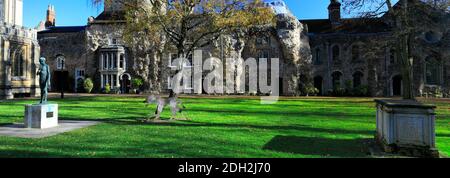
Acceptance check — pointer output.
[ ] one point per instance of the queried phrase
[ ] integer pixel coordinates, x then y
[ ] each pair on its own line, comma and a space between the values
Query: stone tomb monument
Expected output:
407, 127
42, 115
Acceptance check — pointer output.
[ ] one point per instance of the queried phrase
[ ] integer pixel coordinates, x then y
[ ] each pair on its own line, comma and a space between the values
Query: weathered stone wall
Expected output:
372, 62
295, 48
432, 39
72, 47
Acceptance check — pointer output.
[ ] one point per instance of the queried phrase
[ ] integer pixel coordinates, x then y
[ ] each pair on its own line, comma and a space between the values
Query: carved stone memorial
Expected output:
407, 127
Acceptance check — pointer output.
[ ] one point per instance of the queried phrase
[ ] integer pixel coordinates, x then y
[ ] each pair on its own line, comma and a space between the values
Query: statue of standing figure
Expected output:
44, 79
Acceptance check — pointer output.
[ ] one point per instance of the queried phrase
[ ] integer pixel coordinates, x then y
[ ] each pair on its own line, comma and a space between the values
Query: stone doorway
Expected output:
397, 85
125, 84
318, 83
60, 79
281, 87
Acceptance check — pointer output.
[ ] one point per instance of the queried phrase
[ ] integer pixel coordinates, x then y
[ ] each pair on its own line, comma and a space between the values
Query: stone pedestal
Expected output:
41, 116
406, 127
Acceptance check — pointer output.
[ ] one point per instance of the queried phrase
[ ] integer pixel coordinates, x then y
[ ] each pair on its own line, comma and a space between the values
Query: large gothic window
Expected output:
355, 53
433, 71
357, 79
335, 52
336, 79
60, 62
317, 57
392, 56
18, 63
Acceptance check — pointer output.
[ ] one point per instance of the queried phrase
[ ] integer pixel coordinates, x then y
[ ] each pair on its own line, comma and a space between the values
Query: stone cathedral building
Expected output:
335, 54
19, 53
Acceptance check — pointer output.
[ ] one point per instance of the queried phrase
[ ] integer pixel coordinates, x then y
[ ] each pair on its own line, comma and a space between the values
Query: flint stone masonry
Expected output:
42, 116
406, 126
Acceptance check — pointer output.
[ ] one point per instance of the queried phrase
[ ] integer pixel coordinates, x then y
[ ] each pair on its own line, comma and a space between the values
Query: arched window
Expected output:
317, 57
336, 79
60, 63
357, 79
433, 71
335, 53
18, 63
355, 53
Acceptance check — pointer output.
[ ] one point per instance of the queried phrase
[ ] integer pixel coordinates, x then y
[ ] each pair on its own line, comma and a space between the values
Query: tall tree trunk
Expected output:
404, 39
406, 62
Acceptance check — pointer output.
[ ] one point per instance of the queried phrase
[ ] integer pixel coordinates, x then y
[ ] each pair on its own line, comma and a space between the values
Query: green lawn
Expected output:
232, 127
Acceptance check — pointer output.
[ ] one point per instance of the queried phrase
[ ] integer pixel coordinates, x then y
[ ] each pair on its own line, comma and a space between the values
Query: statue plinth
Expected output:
41, 116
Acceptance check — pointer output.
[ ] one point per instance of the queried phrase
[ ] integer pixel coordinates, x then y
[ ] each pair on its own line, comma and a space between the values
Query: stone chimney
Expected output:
51, 17
334, 12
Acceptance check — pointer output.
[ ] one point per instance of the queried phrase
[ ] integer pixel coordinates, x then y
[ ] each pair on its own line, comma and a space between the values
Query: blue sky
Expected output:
76, 12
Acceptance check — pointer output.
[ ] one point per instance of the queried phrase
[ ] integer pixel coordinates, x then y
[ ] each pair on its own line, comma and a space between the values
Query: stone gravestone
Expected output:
42, 115
406, 126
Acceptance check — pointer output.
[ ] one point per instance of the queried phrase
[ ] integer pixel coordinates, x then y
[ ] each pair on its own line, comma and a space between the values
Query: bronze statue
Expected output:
44, 79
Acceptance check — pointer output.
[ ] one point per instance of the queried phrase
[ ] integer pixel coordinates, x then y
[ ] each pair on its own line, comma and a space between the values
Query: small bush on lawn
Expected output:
310, 90
361, 90
88, 85
107, 89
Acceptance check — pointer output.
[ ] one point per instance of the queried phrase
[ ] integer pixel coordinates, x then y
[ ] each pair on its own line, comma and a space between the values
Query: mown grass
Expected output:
220, 127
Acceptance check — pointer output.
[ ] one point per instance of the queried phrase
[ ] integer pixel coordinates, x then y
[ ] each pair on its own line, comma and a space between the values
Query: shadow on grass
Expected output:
299, 127
10, 153
318, 146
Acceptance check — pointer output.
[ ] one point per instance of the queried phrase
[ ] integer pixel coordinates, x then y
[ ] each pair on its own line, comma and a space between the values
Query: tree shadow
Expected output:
319, 146
11, 153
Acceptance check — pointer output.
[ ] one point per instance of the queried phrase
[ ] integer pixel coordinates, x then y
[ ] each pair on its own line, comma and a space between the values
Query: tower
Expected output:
334, 12
11, 11
51, 17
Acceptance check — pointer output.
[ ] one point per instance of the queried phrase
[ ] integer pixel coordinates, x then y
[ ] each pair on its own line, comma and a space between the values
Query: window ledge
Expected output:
18, 78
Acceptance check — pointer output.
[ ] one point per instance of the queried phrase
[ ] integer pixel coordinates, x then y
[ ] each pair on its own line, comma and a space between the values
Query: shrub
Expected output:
80, 86
137, 83
339, 92
311, 90
115, 91
107, 89
88, 85
361, 90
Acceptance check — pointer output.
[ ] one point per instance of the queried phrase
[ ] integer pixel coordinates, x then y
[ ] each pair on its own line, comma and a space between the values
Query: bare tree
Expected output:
186, 25
403, 29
